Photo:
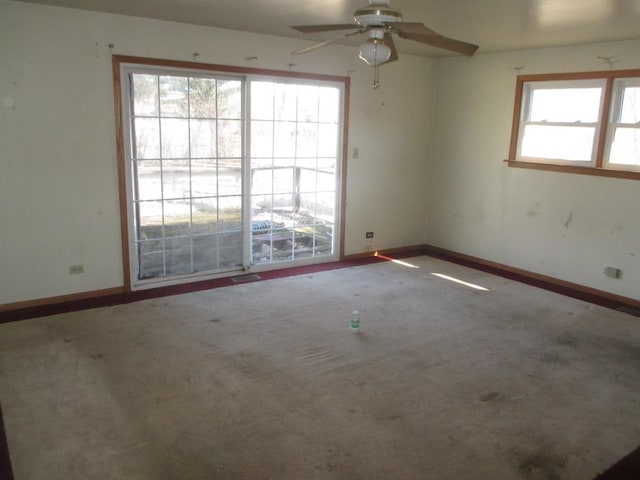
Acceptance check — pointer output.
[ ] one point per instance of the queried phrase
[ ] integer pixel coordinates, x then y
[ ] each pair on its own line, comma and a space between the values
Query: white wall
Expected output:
563, 225
58, 177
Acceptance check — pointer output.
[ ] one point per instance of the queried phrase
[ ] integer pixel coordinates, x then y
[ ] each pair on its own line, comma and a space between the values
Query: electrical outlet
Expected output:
76, 269
356, 152
368, 235
613, 272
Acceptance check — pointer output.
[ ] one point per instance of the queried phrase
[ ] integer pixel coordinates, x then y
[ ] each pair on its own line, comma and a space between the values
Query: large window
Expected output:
582, 123
228, 170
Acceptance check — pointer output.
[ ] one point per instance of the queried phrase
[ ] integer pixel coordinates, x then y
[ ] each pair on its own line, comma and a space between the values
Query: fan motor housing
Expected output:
376, 15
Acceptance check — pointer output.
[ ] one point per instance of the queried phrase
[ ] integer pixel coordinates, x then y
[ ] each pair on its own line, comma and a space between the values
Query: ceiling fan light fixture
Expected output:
373, 52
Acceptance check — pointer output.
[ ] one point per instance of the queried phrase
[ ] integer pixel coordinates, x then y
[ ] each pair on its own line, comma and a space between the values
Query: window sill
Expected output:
600, 172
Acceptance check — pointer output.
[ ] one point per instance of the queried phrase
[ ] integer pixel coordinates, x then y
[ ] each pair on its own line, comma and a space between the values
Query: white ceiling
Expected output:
494, 25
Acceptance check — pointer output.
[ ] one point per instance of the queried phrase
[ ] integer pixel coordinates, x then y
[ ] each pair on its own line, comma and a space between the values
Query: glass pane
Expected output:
261, 253
229, 99
176, 179
204, 215
149, 184
261, 162
630, 105
229, 138
307, 208
303, 242
204, 177
307, 140
565, 105
327, 140
230, 177
177, 218
284, 138
229, 214
173, 96
261, 180
307, 180
202, 97
262, 100
329, 105
283, 206
145, 95
175, 138
261, 241
307, 103
283, 180
147, 138
281, 245
326, 182
177, 255
151, 259
625, 148
561, 143
150, 218
261, 212
203, 138
284, 162
261, 139
205, 253
324, 238
230, 250
285, 102
325, 206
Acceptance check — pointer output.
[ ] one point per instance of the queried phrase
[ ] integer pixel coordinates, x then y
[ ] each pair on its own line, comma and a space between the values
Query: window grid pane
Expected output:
625, 147
294, 152
570, 105
558, 142
187, 173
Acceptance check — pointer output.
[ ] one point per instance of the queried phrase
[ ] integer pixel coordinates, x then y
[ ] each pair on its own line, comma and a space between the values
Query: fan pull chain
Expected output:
376, 81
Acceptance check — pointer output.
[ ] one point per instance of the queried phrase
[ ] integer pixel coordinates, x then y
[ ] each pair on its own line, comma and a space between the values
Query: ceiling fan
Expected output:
380, 21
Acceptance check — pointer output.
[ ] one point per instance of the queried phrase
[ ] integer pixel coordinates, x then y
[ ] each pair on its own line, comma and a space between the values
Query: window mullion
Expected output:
604, 122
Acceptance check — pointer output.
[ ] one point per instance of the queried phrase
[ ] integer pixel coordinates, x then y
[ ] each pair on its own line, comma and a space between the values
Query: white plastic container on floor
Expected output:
355, 322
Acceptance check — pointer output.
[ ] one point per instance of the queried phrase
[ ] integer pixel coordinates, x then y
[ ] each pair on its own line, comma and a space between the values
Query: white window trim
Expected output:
529, 88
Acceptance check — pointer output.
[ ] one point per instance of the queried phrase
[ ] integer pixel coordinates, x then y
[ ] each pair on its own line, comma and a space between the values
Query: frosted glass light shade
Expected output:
374, 53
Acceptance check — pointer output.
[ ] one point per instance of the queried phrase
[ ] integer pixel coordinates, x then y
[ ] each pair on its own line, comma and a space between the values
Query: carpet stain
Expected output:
567, 339
489, 396
541, 464
552, 357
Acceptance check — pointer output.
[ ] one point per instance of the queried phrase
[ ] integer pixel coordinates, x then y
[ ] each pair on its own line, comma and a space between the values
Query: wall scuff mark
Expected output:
568, 221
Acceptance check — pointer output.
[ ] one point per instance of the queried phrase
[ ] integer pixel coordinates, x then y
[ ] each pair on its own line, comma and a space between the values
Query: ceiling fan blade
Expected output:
388, 41
324, 28
412, 27
327, 42
442, 42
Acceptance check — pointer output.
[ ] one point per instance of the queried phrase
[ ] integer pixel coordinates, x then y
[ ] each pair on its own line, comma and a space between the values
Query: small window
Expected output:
624, 129
581, 123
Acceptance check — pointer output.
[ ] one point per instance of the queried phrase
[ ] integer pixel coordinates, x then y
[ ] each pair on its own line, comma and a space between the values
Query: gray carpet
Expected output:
265, 381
